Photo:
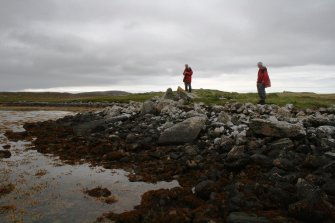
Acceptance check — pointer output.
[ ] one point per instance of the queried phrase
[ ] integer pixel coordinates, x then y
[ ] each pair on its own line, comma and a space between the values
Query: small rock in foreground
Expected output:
5, 154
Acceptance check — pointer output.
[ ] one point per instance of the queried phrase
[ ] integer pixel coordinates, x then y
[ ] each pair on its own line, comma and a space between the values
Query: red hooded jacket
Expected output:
188, 75
263, 77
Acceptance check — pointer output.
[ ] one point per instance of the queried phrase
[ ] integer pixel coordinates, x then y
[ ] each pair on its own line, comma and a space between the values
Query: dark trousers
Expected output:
261, 92
188, 87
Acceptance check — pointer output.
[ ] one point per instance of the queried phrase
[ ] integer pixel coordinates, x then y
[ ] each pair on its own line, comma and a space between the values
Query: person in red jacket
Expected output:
263, 81
188, 78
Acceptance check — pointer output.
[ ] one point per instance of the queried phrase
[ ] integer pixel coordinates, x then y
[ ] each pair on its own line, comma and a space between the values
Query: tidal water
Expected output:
47, 190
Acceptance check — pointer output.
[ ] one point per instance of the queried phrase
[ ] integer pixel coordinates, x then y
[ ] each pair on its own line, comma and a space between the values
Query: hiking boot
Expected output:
261, 102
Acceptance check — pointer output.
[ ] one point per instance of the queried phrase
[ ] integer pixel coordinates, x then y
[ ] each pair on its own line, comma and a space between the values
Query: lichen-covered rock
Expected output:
236, 159
278, 129
163, 103
283, 114
316, 121
182, 94
325, 131
224, 117
183, 132
112, 111
327, 144
169, 94
148, 107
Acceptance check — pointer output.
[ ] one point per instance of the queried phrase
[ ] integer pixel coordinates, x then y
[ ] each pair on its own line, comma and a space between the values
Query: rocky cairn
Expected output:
235, 163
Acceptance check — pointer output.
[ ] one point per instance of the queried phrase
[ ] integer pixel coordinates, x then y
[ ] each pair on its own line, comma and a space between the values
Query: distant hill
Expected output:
291, 92
57, 96
104, 93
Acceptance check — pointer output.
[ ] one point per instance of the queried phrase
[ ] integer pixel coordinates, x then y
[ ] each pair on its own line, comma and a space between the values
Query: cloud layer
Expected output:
135, 45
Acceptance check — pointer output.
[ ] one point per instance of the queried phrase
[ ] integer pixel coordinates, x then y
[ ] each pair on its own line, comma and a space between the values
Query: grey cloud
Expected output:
55, 43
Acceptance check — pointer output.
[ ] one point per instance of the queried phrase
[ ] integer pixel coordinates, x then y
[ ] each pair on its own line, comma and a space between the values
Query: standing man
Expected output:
188, 78
263, 81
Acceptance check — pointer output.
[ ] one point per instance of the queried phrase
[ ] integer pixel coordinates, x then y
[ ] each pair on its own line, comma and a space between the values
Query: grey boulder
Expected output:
182, 94
278, 129
148, 107
325, 131
183, 132
169, 94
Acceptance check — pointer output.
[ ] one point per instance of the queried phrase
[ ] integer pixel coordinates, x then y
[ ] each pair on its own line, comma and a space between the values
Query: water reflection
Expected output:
47, 190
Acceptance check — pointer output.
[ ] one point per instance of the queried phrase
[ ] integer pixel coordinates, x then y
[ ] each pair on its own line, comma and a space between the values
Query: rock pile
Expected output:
235, 163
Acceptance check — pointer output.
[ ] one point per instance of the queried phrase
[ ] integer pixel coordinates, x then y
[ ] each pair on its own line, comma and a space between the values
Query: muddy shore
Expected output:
235, 163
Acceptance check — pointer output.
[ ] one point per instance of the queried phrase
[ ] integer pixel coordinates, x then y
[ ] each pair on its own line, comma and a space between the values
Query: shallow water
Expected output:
47, 190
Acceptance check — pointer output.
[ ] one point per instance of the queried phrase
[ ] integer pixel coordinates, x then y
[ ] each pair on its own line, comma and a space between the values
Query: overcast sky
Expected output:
142, 45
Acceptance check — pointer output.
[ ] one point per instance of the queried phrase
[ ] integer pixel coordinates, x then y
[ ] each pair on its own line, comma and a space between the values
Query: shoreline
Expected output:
230, 160
30, 106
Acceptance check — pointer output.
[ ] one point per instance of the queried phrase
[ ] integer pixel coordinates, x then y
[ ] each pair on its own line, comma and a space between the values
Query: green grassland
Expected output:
301, 100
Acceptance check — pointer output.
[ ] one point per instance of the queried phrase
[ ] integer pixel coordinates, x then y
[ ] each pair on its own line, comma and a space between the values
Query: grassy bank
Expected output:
301, 100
